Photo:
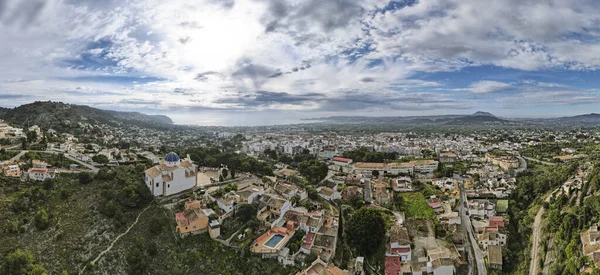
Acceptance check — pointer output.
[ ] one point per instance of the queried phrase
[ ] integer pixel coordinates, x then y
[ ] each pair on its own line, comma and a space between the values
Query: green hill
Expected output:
59, 116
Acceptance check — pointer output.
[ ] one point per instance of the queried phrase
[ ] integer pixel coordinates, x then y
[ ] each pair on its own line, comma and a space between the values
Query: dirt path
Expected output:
93, 262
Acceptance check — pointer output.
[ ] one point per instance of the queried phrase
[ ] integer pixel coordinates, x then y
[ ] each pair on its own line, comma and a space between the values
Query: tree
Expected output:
85, 178
137, 261
245, 212
375, 173
21, 263
232, 172
224, 172
102, 159
366, 231
24, 143
313, 170
31, 136
41, 219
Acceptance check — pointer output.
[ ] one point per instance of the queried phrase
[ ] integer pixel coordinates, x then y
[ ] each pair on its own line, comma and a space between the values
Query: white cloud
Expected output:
206, 53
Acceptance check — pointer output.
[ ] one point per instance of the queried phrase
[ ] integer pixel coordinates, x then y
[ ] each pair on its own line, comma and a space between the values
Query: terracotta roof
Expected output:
392, 265
369, 165
340, 159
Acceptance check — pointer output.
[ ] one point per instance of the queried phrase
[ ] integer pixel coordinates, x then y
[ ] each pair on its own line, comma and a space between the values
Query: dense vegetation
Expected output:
525, 200
214, 157
363, 154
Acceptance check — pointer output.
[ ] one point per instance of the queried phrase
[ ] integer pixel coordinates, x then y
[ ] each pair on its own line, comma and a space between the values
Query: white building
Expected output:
171, 176
41, 174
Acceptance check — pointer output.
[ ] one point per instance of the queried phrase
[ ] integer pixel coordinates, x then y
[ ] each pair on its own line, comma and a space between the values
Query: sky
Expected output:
260, 62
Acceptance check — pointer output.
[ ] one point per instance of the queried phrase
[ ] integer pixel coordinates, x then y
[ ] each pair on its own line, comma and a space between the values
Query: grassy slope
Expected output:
416, 206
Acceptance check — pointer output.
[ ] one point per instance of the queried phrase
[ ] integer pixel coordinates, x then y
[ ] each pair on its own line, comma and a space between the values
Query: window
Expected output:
157, 184
168, 186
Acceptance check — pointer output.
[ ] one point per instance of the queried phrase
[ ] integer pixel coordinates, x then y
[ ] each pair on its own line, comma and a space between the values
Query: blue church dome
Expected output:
172, 157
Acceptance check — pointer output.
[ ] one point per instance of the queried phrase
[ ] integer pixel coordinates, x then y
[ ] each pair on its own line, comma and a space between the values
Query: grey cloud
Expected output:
329, 15
265, 98
204, 76
23, 14
367, 79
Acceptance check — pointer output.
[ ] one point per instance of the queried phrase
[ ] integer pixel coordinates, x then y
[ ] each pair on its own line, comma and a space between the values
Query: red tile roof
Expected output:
340, 159
392, 265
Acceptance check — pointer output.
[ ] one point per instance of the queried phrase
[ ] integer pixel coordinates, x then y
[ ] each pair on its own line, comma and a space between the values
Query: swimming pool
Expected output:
274, 241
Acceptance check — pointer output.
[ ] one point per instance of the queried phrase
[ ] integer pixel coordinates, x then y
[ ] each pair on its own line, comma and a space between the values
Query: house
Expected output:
228, 201
399, 244
284, 173
319, 267
494, 254
445, 184
481, 208
381, 194
402, 184
344, 162
447, 157
492, 238
289, 190
41, 174
350, 191
36, 163
591, 244
214, 229
497, 221
250, 193
442, 266
192, 220
271, 242
171, 176
328, 193
11, 170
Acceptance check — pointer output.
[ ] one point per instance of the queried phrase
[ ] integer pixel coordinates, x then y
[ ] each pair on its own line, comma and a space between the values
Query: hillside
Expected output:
58, 115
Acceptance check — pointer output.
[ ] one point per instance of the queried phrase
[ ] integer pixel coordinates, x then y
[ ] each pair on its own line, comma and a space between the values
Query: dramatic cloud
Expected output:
360, 57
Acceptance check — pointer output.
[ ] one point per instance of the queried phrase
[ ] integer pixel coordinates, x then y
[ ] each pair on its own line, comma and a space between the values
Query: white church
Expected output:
171, 175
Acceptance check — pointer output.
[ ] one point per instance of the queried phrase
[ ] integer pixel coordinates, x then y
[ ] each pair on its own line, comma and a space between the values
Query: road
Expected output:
368, 191
522, 165
87, 165
536, 228
17, 157
466, 223
540, 161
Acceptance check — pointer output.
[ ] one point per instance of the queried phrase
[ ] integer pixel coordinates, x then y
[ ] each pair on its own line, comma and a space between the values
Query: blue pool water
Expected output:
273, 241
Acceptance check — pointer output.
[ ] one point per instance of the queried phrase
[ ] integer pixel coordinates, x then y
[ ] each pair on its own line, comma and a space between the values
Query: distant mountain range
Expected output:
477, 119
58, 115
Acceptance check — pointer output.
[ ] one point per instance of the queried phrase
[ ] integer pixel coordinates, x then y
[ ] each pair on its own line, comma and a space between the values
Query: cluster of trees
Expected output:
365, 231
101, 159
214, 157
123, 188
363, 154
21, 263
313, 170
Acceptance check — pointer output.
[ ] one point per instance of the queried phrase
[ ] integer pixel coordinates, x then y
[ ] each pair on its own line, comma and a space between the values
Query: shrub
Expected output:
41, 219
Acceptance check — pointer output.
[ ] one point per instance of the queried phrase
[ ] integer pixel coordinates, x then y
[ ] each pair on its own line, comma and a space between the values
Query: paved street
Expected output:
466, 222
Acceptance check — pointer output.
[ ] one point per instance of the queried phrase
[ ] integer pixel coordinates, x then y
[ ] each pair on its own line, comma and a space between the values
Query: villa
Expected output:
271, 242
192, 220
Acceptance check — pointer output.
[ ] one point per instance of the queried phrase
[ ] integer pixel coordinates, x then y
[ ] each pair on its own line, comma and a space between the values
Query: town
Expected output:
331, 202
